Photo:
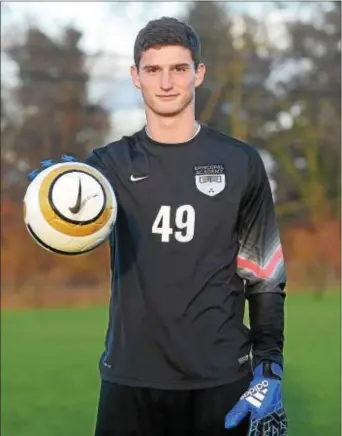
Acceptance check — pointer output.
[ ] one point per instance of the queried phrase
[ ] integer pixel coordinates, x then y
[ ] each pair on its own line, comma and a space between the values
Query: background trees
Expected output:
273, 80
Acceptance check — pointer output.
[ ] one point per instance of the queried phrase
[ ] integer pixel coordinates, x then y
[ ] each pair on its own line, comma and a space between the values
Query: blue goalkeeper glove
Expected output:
263, 401
48, 163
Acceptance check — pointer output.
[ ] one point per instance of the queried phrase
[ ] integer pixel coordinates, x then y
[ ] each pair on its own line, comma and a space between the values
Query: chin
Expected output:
168, 110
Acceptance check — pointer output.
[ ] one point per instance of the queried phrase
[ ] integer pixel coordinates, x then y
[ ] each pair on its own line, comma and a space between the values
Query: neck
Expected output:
180, 128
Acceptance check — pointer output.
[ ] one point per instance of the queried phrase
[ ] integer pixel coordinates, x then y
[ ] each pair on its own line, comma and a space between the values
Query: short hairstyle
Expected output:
167, 31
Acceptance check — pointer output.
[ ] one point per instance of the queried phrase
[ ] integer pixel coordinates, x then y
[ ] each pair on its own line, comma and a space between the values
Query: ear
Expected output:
135, 76
200, 73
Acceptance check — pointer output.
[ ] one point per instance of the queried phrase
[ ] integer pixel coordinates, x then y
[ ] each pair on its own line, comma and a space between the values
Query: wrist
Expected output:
269, 369
259, 357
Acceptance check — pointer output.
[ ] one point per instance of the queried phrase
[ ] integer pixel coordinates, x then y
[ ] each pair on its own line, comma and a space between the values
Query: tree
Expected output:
308, 147
234, 96
52, 94
54, 116
210, 96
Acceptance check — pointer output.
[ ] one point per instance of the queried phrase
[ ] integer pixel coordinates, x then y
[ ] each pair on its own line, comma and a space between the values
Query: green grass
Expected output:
312, 385
50, 376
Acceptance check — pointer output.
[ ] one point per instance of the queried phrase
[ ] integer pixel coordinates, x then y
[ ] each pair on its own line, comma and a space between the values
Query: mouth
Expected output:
167, 97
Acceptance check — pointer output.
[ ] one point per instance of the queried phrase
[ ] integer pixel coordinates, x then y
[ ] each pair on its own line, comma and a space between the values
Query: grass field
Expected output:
50, 376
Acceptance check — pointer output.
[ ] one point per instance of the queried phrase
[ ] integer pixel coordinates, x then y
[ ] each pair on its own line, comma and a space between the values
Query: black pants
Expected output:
128, 411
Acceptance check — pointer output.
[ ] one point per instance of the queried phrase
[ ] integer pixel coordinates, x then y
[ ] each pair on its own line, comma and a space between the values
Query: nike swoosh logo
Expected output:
75, 209
137, 179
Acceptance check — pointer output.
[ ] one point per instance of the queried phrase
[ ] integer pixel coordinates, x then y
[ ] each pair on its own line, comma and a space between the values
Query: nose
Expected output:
165, 81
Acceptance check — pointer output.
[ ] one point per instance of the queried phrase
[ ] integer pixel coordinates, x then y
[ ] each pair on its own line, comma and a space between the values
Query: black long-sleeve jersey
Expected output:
195, 235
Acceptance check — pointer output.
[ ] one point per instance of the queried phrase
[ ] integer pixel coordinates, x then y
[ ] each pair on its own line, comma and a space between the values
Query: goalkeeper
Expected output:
196, 235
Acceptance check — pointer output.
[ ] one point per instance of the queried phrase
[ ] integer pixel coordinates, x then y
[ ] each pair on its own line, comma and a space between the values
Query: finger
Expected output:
257, 428
236, 415
33, 174
273, 424
69, 157
47, 163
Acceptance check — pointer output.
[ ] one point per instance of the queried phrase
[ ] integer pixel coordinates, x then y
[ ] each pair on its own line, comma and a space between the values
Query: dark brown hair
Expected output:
167, 31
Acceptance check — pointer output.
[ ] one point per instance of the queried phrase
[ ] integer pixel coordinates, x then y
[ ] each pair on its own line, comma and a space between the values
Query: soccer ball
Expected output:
70, 208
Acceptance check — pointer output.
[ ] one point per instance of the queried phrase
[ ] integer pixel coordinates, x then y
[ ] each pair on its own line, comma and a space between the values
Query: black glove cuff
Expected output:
261, 356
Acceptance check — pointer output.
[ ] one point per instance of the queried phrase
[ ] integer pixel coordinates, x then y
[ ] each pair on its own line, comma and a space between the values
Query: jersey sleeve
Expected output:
96, 160
260, 259
100, 159
260, 264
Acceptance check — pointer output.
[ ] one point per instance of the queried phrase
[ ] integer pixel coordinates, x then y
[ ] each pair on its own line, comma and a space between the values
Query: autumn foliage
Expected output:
313, 257
33, 276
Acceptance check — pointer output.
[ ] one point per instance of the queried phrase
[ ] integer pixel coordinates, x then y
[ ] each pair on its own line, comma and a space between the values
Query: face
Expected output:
167, 79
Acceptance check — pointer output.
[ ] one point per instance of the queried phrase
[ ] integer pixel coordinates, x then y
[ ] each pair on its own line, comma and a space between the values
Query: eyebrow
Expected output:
182, 64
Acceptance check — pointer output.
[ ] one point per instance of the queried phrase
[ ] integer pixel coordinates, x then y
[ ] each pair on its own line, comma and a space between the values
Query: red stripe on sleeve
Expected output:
258, 270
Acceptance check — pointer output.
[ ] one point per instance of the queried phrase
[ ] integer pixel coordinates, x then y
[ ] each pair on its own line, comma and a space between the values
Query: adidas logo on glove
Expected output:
263, 402
256, 394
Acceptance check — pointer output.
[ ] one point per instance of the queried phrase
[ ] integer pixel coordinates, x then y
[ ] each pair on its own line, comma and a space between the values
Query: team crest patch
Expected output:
210, 179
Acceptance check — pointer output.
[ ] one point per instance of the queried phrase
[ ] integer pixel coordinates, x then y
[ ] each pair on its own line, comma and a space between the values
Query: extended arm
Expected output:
260, 263
95, 159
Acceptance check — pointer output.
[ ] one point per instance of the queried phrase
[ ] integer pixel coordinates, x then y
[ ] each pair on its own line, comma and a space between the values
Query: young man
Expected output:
196, 235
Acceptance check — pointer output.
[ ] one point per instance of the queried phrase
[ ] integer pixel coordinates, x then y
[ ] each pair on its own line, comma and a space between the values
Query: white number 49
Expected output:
184, 223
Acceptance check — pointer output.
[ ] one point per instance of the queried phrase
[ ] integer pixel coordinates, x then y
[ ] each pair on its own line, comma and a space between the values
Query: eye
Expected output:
151, 70
180, 68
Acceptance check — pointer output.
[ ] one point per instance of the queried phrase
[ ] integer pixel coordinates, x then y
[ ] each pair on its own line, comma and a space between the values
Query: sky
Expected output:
111, 27
104, 23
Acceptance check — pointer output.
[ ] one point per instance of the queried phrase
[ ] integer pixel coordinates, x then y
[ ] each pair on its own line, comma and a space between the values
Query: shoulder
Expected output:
118, 149
122, 143
230, 143
240, 152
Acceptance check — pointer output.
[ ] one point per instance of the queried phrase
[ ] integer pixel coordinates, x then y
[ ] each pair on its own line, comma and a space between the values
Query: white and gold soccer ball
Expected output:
70, 208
